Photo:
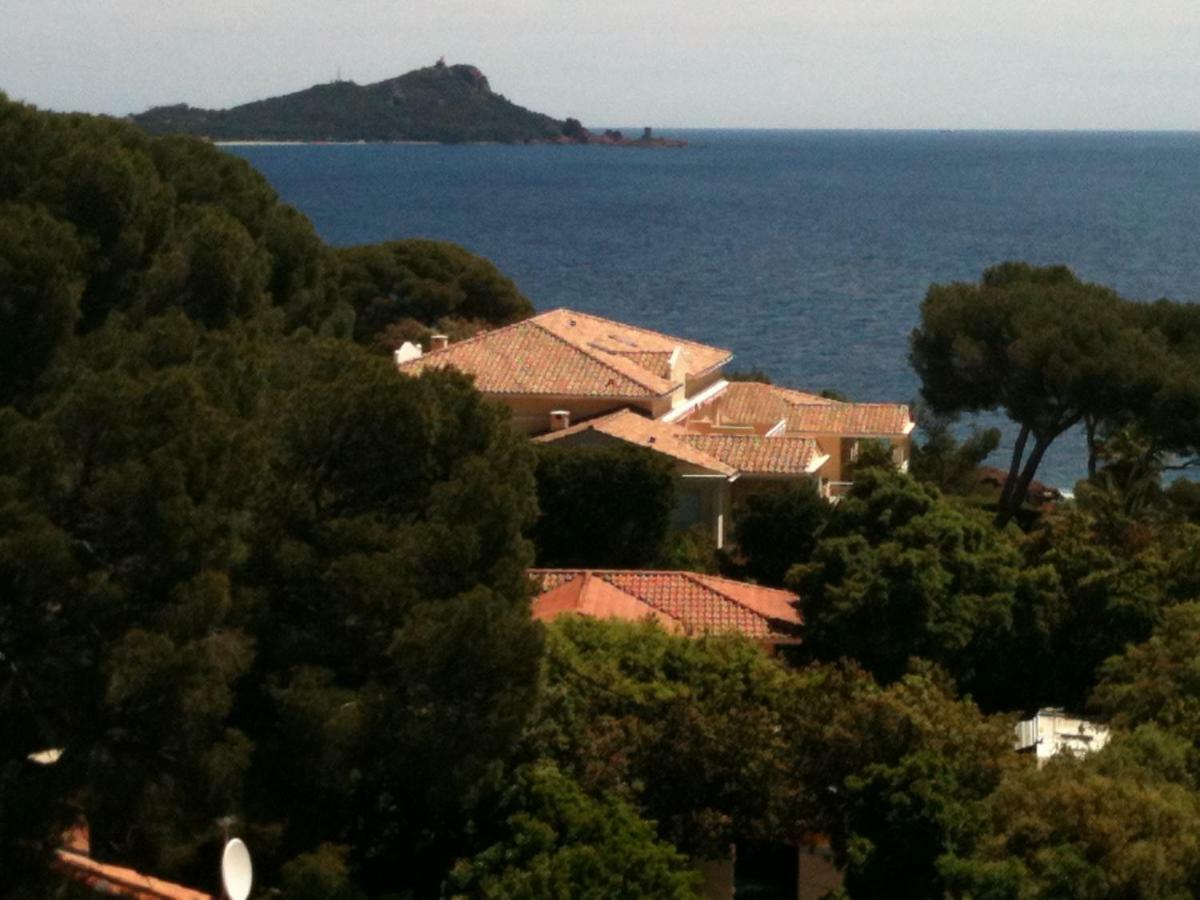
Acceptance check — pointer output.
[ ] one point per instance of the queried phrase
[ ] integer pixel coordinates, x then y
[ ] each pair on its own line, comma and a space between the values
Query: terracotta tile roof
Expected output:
633, 428
117, 881
851, 419
751, 403
695, 604
753, 454
567, 353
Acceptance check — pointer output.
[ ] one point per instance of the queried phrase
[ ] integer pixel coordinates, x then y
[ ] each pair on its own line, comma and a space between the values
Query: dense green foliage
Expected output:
97, 218
776, 529
279, 581
1124, 822
247, 570
900, 573
449, 104
265, 564
948, 464
604, 507
563, 842
1053, 352
417, 281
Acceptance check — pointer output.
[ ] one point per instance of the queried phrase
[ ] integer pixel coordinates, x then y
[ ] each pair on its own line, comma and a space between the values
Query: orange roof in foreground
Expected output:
567, 353
684, 602
752, 403
117, 881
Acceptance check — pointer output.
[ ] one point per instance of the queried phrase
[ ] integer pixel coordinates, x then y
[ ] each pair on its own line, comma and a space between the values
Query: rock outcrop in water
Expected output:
440, 103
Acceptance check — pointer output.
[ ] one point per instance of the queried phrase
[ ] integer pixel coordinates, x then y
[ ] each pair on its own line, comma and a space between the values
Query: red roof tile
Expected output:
725, 454
698, 604
117, 881
567, 353
857, 419
753, 454
634, 428
752, 403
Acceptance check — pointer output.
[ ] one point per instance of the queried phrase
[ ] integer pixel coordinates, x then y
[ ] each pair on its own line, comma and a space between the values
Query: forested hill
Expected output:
449, 104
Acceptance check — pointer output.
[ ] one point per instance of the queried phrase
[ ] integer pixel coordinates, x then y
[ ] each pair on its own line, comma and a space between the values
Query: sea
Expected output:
807, 253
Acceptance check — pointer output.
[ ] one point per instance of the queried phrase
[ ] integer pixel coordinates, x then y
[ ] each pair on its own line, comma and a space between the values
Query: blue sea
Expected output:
805, 252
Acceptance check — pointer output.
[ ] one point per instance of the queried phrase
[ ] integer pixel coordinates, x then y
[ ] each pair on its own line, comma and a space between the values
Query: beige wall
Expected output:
694, 386
840, 450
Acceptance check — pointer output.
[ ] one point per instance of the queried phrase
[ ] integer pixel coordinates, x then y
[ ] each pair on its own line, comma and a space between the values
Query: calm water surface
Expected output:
806, 253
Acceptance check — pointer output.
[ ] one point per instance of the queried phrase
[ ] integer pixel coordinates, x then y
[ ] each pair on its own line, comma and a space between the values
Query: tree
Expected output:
561, 842
1102, 595
1157, 681
426, 281
948, 464
1123, 822
40, 284
603, 507
776, 529
256, 558
1049, 350
695, 733
899, 776
900, 573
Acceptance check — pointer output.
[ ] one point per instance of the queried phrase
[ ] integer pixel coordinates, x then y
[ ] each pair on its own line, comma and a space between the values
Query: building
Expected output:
713, 471
685, 603
568, 363
582, 380
1054, 731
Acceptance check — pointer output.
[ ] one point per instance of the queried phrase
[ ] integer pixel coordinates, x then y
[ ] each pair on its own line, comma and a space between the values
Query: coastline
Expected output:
248, 143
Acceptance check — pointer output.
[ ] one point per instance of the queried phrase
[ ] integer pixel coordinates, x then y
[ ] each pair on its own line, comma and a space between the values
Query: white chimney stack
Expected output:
560, 419
438, 342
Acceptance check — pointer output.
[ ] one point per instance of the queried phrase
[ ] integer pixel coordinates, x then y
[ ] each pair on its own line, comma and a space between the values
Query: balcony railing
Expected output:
835, 490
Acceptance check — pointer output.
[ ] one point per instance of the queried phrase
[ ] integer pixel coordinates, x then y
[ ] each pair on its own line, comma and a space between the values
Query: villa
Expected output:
581, 380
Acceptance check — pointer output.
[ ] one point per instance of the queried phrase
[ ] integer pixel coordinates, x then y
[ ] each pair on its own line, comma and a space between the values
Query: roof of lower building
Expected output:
757, 404
572, 354
755, 454
634, 428
684, 602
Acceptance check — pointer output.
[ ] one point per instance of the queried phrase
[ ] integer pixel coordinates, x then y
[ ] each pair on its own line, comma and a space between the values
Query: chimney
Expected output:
560, 419
438, 342
406, 352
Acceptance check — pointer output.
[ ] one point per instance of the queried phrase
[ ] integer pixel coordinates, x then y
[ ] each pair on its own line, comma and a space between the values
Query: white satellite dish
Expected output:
236, 871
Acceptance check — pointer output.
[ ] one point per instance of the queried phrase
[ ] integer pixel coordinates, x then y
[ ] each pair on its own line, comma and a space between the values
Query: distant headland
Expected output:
438, 104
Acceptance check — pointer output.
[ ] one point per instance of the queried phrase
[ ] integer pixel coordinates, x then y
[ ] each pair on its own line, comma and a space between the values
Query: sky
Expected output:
1037, 64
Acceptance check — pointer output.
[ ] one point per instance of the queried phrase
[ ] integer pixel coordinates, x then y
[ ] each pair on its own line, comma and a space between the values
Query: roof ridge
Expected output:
651, 331
793, 598
598, 360
592, 573
757, 587
691, 573
454, 345
694, 577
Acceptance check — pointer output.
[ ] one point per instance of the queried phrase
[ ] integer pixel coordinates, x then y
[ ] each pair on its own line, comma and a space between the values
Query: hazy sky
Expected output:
1122, 64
